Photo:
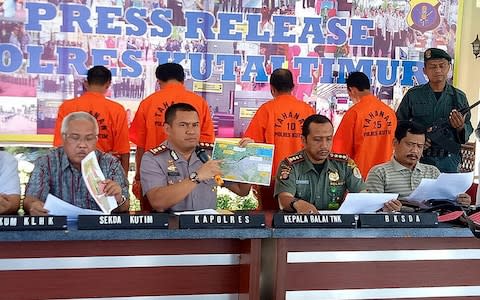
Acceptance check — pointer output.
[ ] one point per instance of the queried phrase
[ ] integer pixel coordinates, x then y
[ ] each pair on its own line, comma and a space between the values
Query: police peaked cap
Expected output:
435, 53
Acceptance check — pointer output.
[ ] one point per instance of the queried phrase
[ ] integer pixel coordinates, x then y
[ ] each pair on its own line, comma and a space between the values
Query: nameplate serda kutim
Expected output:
288, 220
137, 221
398, 220
33, 223
221, 221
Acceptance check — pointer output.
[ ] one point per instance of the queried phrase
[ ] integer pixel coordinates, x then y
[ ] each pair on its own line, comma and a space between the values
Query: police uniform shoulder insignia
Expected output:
286, 165
158, 150
339, 156
206, 146
296, 158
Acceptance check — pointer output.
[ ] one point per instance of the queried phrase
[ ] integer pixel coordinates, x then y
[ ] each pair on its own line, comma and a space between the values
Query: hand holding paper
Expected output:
357, 203
446, 186
101, 190
58, 207
111, 188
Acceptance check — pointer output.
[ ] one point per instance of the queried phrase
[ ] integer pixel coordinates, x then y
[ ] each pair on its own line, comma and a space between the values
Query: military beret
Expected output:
435, 53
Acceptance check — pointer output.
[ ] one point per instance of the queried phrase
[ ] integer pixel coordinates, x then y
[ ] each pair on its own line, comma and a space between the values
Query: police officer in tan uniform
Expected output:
173, 177
316, 179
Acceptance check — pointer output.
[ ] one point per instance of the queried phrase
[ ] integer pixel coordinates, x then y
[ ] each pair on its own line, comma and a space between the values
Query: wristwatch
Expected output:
194, 177
292, 204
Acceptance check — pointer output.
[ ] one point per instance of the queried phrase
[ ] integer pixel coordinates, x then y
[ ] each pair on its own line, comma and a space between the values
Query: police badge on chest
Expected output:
172, 169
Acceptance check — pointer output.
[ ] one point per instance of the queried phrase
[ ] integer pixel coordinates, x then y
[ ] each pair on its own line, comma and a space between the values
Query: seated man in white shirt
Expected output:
9, 184
403, 173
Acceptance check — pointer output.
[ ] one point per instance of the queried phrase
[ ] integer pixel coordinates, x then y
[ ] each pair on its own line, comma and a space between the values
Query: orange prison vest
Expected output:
366, 133
146, 130
111, 118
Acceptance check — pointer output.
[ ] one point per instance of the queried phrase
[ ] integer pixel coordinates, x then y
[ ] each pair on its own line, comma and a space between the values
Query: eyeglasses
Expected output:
77, 139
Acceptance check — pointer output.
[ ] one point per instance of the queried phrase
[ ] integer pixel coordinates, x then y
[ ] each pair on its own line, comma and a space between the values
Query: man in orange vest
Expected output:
367, 129
110, 115
279, 122
147, 128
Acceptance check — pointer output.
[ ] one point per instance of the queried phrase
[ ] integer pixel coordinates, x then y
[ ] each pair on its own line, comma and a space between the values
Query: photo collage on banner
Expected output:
227, 47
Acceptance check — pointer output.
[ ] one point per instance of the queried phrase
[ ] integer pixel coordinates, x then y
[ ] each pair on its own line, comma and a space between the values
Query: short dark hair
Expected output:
282, 80
408, 126
171, 111
99, 75
358, 80
169, 71
316, 118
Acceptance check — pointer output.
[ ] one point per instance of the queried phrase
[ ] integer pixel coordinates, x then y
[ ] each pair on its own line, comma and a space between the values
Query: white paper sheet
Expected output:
446, 186
358, 203
58, 207
198, 212
93, 176
328, 212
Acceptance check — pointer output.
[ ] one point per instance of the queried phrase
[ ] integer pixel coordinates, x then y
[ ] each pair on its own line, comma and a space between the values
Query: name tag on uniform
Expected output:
302, 181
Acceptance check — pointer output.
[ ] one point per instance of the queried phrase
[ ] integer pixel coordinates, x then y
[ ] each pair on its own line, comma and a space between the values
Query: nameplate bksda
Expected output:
382, 220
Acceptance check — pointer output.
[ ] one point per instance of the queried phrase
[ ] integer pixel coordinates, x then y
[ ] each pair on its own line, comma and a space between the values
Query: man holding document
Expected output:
316, 179
404, 172
59, 171
174, 175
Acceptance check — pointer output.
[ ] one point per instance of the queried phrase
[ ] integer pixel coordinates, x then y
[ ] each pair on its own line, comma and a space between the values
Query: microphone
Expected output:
203, 156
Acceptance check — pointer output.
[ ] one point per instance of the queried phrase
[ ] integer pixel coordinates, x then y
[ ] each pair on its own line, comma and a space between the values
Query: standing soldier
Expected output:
434, 103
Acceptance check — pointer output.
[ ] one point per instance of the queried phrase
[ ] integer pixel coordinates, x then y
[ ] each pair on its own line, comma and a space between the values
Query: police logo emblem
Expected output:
424, 15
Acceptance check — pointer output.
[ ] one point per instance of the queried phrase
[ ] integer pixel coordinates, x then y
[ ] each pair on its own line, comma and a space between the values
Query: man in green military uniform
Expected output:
434, 103
315, 179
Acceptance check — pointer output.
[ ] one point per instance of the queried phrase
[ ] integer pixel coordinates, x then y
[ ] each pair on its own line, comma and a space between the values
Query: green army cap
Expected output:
435, 53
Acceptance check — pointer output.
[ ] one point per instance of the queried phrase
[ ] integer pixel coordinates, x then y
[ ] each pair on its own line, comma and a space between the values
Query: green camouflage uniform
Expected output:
420, 105
326, 190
